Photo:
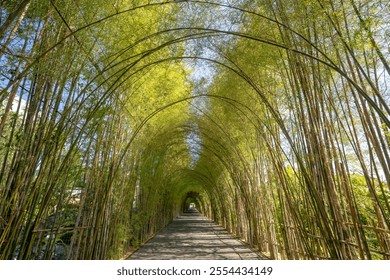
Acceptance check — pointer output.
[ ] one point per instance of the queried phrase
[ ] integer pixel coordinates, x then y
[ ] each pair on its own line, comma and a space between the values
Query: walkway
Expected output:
194, 237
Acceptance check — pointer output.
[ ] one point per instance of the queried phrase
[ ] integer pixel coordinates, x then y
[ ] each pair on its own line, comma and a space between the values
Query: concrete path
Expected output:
194, 237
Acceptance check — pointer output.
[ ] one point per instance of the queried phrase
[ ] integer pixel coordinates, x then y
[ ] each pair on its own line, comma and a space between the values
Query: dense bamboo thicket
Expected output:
271, 116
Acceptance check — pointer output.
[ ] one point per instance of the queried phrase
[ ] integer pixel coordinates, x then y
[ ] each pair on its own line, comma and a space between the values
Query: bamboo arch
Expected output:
287, 238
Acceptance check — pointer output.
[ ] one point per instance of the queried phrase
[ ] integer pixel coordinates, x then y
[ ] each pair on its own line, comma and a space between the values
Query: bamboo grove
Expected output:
272, 116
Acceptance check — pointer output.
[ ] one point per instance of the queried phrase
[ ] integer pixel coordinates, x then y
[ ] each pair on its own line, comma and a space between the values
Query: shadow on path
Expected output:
191, 236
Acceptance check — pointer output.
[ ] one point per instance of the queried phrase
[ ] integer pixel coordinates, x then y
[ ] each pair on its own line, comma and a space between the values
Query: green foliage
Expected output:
126, 119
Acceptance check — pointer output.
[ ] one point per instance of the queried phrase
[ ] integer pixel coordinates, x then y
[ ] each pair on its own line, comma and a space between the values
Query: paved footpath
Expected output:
191, 236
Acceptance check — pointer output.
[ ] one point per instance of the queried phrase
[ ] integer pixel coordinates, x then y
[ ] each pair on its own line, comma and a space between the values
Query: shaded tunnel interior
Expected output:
271, 118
